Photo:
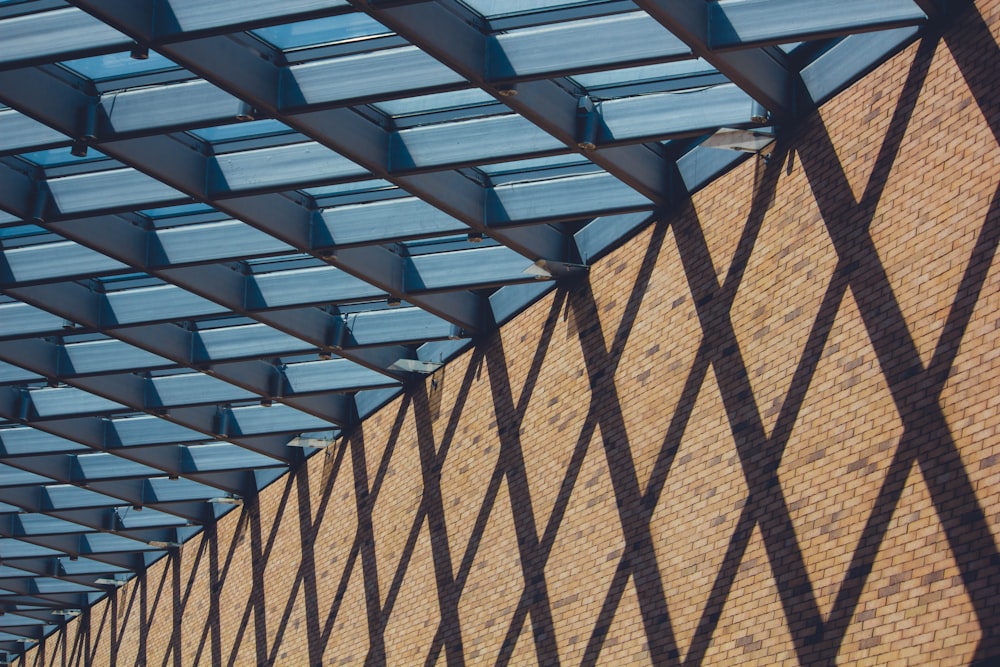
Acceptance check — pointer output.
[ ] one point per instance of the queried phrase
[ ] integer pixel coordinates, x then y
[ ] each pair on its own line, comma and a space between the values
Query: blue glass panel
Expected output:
644, 74
20, 230
437, 102
349, 188
257, 128
171, 211
41, 524
495, 8
55, 586
56, 157
66, 496
118, 65
11, 548
13, 477
531, 165
330, 30
147, 518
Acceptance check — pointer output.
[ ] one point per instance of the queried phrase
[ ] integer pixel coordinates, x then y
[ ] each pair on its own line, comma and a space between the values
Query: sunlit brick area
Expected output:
763, 431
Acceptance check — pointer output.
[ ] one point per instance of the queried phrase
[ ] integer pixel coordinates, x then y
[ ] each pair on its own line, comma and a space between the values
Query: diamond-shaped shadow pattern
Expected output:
809, 485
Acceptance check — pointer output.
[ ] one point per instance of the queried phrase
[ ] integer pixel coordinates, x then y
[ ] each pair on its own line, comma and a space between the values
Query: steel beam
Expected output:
241, 73
763, 73
551, 107
748, 23
851, 58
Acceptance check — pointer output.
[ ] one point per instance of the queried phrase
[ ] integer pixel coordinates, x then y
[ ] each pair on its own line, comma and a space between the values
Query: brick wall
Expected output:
766, 431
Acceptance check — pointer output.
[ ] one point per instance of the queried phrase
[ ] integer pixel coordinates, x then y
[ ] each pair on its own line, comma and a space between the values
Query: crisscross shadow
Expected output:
432, 459
639, 558
818, 639
535, 552
916, 390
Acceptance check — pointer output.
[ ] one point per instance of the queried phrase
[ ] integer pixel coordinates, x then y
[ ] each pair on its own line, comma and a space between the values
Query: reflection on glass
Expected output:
257, 128
516, 166
56, 157
172, 211
118, 65
412, 106
19, 230
330, 30
495, 8
644, 74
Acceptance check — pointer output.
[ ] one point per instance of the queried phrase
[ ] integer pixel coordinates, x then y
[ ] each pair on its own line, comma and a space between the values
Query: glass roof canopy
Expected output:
231, 230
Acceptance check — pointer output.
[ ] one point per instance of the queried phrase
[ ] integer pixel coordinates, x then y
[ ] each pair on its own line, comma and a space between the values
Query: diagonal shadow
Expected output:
937, 373
259, 555
646, 505
308, 527
378, 613
431, 463
797, 596
756, 505
117, 633
916, 393
94, 641
449, 631
501, 470
218, 573
305, 575
174, 646
639, 556
759, 455
828, 640
976, 53
349, 562
652, 600
364, 547
181, 601
256, 603
146, 612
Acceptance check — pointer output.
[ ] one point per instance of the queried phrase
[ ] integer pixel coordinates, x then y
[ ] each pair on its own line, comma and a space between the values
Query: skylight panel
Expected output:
118, 65
522, 166
467, 102
257, 128
176, 211
499, 8
20, 231
58, 157
648, 78
538, 169
338, 189
322, 32
447, 243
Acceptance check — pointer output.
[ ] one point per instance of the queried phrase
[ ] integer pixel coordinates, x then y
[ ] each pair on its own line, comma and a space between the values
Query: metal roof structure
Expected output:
230, 230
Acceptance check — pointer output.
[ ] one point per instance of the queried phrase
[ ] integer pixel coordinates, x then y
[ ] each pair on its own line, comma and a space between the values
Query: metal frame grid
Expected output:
230, 230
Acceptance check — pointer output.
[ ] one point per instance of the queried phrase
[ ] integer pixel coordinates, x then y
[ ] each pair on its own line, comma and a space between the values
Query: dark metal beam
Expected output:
251, 78
763, 73
748, 23
445, 35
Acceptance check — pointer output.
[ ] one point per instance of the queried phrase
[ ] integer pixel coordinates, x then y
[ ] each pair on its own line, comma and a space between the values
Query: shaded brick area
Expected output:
763, 432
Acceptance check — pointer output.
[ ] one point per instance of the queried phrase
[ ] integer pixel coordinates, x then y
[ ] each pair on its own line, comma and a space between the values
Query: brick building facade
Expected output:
764, 431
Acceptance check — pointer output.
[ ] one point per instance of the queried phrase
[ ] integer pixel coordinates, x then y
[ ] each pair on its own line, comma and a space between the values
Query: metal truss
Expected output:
231, 230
